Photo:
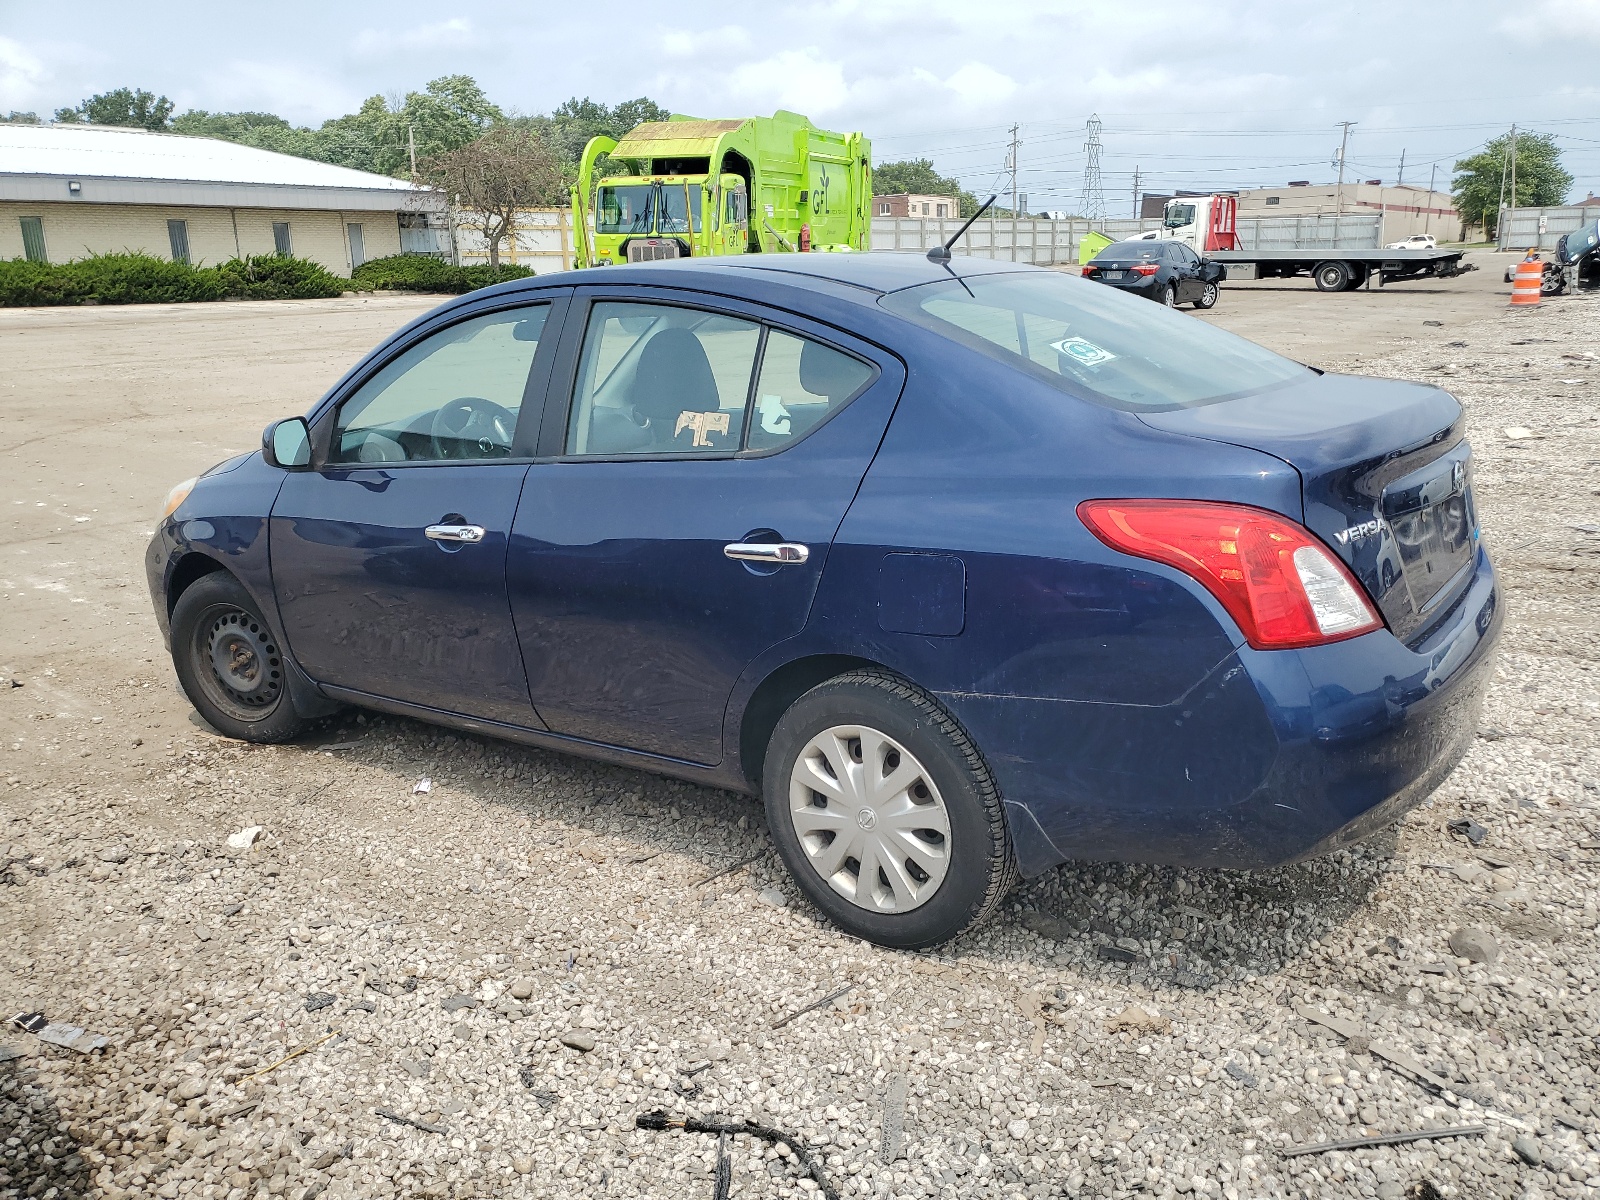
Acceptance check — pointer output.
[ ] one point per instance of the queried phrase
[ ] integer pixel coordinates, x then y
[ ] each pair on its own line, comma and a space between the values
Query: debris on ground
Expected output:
894, 1119
1474, 944
425, 1126
1134, 1019
807, 1161
828, 999
245, 838
422, 787
1388, 1139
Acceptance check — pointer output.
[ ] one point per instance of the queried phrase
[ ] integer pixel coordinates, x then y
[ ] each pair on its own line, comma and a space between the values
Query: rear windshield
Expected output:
1136, 252
1096, 342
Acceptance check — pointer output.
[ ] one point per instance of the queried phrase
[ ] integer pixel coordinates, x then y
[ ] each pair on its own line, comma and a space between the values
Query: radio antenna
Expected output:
941, 254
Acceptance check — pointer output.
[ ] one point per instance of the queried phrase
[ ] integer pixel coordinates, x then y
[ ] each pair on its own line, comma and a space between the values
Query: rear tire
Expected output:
1332, 276
1208, 297
1170, 296
937, 825
229, 662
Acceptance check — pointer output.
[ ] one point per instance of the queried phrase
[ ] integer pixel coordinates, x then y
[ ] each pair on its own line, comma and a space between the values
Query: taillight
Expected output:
1281, 585
1146, 268
1091, 270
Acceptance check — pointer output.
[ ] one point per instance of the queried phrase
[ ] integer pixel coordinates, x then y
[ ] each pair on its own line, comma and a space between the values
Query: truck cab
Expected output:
1203, 223
644, 218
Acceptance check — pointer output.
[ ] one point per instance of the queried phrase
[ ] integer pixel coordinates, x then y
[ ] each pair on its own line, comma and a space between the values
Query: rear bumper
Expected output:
1274, 757
1146, 286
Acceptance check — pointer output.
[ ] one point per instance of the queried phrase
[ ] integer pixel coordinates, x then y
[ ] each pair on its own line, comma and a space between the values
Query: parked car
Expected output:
1167, 271
1417, 241
967, 569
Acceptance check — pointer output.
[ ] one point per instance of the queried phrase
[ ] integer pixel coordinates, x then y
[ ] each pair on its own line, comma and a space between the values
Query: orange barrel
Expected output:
1530, 277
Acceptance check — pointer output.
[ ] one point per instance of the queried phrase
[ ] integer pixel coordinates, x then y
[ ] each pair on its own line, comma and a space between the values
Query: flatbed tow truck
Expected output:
1209, 225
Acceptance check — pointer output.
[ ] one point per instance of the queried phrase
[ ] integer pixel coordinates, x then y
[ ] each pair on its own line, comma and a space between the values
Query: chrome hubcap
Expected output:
869, 819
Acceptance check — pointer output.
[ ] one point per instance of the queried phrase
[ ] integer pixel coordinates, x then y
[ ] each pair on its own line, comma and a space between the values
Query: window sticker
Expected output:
774, 416
702, 424
1083, 352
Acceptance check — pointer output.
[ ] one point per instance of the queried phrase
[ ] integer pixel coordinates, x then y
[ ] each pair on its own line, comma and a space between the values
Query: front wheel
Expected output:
885, 813
1208, 296
229, 662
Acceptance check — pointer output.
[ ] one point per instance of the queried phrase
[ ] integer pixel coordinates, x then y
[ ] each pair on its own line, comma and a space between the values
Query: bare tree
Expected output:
489, 179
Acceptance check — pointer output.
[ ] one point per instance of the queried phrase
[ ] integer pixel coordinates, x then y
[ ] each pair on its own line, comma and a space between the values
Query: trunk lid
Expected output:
1386, 480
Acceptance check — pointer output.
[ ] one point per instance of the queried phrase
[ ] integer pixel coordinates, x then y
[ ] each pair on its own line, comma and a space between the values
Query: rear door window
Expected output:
802, 383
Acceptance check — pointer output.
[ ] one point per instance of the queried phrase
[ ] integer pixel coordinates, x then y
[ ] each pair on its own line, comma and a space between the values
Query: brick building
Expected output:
908, 205
69, 191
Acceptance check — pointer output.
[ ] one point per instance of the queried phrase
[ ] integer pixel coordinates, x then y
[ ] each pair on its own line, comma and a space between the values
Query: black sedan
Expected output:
1167, 271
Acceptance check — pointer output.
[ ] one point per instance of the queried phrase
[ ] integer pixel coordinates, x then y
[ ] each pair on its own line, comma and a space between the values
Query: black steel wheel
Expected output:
1332, 276
229, 662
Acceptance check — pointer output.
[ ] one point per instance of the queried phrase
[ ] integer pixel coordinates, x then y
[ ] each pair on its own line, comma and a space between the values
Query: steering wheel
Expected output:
469, 419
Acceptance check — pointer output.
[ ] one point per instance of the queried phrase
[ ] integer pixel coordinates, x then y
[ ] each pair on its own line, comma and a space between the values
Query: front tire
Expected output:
229, 662
1208, 297
885, 813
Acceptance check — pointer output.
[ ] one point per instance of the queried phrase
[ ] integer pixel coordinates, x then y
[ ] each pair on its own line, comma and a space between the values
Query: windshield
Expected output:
624, 209
1093, 341
1179, 215
673, 216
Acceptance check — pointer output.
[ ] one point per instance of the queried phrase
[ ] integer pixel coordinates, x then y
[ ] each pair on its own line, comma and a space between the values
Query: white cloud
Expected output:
708, 43
293, 92
22, 76
1568, 19
382, 43
979, 83
800, 80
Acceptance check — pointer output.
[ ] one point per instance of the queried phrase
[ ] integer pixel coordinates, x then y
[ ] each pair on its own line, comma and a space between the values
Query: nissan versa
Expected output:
968, 569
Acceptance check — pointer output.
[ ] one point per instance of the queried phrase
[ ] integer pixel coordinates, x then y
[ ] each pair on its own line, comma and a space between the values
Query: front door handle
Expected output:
775, 553
455, 533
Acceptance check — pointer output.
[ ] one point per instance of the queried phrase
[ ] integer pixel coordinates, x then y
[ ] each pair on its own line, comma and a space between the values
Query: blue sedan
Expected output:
968, 569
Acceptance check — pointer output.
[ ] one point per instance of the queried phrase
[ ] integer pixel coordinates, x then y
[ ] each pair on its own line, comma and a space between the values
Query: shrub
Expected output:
425, 273
145, 279
278, 277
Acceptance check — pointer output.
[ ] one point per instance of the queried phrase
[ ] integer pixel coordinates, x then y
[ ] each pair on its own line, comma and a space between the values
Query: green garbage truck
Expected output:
692, 187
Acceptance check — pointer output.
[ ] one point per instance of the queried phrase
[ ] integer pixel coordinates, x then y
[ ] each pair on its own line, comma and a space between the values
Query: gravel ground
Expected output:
522, 959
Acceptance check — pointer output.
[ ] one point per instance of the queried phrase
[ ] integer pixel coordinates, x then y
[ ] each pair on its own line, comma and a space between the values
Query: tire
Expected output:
1170, 296
229, 663
1332, 276
1551, 283
1208, 296
960, 865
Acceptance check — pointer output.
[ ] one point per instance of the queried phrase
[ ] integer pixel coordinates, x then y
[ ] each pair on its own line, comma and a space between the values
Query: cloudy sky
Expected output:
1193, 94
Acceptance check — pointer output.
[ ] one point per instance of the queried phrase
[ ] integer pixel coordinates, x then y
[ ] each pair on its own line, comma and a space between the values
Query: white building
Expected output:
69, 191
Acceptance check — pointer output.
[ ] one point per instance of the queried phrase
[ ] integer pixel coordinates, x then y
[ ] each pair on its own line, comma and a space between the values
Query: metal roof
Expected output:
132, 166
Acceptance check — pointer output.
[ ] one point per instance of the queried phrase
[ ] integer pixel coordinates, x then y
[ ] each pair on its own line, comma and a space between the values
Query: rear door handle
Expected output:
455, 533
776, 553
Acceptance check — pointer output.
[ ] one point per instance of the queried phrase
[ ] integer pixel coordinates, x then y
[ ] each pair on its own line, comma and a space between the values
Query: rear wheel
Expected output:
1208, 296
1332, 276
229, 662
1170, 296
885, 813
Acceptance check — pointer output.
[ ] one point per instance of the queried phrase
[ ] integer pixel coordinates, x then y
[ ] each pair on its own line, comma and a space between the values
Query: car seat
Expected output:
673, 376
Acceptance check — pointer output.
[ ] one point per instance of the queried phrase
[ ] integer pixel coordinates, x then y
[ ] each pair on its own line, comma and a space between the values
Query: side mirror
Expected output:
287, 444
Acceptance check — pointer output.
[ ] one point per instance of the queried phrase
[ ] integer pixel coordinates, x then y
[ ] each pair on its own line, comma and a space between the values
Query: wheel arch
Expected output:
188, 570
772, 697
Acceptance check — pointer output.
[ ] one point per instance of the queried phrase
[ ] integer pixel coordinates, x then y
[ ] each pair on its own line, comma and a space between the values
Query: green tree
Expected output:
451, 112
229, 126
917, 177
573, 123
511, 167
19, 118
135, 108
1482, 181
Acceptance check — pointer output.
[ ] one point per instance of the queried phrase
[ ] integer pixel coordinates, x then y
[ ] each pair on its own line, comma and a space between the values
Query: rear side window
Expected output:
801, 383
1095, 342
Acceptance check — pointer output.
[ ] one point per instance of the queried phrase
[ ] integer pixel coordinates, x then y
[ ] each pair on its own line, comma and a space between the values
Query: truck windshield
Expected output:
625, 209
1179, 215
1094, 342
673, 214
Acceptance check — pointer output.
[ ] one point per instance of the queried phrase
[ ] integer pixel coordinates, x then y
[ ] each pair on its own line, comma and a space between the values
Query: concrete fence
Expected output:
1521, 228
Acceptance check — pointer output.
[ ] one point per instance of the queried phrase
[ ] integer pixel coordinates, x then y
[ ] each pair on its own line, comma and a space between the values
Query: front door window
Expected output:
453, 396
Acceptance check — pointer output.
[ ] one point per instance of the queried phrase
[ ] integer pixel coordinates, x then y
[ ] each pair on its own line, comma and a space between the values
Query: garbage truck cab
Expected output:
691, 187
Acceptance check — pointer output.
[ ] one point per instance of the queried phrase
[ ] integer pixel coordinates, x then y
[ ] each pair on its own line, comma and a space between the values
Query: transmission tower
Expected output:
1094, 200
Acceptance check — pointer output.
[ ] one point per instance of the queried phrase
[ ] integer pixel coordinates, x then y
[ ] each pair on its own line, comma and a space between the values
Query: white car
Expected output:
1417, 241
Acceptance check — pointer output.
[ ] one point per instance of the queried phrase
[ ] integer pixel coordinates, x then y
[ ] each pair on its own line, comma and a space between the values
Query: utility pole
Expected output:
1427, 219
1136, 212
1401, 179
411, 144
1011, 161
1344, 142
1513, 197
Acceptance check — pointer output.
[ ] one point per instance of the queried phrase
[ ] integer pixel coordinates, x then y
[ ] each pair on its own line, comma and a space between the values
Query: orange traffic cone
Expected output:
1530, 278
